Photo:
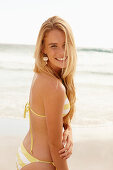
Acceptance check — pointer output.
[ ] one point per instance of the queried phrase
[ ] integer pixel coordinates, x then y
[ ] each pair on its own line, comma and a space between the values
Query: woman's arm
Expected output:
66, 151
54, 99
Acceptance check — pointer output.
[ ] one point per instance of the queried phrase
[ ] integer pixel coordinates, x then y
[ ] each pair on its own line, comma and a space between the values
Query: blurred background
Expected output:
91, 23
92, 124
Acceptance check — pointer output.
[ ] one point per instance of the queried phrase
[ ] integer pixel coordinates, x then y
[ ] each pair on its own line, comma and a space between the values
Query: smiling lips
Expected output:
61, 59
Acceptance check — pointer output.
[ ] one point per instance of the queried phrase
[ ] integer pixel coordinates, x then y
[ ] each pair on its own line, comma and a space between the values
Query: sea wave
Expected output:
85, 122
15, 69
97, 73
30, 48
79, 123
79, 72
95, 50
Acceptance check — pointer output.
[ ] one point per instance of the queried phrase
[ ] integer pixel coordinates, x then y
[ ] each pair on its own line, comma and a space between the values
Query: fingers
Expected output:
66, 147
66, 157
68, 142
67, 152
65, 136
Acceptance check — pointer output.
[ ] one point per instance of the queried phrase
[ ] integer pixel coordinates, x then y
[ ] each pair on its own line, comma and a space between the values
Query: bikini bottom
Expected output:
23, 158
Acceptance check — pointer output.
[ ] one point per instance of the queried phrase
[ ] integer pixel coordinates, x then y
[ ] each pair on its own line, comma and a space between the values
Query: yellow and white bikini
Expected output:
23, 158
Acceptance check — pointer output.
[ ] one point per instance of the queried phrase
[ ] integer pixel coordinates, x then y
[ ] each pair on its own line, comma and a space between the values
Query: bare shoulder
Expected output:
49, 85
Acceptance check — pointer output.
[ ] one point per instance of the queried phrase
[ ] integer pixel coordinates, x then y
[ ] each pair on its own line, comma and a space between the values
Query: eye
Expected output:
64, 45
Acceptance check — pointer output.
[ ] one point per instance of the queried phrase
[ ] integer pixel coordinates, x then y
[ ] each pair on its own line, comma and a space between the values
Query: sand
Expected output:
93, 146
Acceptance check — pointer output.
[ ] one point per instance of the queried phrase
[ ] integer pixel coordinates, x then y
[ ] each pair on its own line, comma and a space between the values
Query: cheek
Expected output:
51, 53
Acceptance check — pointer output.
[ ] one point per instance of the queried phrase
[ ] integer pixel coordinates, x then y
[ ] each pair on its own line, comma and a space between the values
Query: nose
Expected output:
61, 52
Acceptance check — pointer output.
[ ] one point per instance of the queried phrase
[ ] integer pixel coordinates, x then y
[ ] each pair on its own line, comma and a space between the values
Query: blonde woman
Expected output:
51, 100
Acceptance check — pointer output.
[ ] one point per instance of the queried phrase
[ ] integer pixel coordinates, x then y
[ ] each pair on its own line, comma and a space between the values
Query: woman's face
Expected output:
54, 48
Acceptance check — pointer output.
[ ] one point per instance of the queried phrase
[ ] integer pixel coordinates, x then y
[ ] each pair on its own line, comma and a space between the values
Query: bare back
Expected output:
39, 127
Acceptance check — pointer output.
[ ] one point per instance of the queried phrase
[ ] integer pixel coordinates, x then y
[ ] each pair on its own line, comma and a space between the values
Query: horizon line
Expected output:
78, 47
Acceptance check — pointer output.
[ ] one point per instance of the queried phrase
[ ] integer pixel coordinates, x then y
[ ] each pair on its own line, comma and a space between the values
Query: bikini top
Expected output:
28, 109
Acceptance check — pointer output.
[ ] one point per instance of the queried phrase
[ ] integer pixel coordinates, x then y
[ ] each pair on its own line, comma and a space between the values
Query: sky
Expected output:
90, 20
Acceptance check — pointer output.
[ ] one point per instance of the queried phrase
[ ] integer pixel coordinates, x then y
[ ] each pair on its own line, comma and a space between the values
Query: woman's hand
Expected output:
68, 142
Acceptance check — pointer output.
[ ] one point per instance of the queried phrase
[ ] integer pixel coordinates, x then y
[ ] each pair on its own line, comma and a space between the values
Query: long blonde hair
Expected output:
67, 74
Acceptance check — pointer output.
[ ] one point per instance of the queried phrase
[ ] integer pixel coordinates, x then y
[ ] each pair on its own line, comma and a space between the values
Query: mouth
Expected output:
61, 59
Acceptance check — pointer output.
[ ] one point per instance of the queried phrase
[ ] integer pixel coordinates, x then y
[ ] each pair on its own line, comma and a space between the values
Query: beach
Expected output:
92, 150
92, 124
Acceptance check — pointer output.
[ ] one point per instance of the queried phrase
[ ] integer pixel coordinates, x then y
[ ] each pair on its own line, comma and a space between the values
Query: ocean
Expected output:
93, 82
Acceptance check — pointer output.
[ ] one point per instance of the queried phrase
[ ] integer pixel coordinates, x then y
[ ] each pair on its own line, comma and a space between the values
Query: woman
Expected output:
51, 100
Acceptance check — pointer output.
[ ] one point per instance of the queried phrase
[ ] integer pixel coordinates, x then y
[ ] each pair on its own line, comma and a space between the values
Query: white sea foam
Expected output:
93, 81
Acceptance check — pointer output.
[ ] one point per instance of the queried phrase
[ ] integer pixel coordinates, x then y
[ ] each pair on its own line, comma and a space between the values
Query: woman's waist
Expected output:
41, 148
39, 138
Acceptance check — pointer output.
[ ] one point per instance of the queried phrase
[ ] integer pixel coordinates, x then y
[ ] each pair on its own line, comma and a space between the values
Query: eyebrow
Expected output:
54, 43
